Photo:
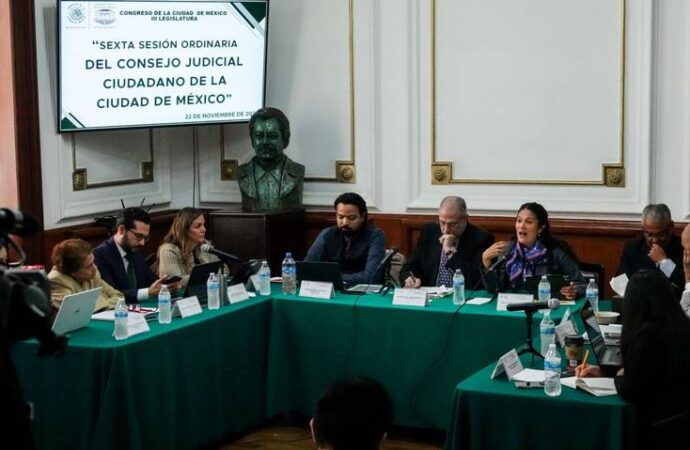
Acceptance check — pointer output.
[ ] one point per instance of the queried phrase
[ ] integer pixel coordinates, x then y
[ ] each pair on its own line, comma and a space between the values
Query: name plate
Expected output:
505, 299
410, 297
187, 307
316, 289
136, 324
255, 281
509, 364
563, 329
237, 293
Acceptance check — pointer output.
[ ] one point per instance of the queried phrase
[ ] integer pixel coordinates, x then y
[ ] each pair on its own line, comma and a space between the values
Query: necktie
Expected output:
131, 274
445, 275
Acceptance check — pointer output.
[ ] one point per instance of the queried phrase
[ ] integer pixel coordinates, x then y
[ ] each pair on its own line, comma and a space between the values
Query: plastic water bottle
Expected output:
547, 332
164, 306
552, 372
121, 319
592, 294
213, 291
265, 279
544, 289
458, 288
289, 275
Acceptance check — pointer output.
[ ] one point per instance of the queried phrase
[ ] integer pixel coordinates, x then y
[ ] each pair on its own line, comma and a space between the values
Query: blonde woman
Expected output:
74, 271
181, 248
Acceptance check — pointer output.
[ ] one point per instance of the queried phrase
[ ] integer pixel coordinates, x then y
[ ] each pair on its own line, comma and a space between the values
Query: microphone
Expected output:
387, 257
553, 303
16, 222
207, 247
501, 258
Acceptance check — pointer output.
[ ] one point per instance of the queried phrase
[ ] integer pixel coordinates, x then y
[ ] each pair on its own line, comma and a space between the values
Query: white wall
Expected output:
525, 91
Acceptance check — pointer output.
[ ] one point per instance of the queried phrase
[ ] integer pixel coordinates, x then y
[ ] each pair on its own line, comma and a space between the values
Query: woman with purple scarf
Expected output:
532, 251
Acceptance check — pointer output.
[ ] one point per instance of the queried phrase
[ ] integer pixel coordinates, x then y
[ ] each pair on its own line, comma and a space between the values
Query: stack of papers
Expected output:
527, 378
600, 387
437, 292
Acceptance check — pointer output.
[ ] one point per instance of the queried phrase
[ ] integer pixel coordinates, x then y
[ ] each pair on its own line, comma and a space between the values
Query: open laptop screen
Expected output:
320, 271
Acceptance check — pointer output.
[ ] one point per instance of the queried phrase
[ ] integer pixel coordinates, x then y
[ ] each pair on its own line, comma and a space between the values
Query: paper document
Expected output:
619, 283
479, 301
110, 314
600, 387
437, 292
529, 375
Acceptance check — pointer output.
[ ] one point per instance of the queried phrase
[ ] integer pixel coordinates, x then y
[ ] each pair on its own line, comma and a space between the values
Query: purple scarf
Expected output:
522, 262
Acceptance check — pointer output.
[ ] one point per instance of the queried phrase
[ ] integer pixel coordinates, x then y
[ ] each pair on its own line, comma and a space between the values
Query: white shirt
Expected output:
667, 267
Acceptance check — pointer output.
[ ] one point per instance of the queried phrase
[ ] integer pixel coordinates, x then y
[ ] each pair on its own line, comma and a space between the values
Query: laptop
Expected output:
198, 278
606, 355
321, 271
75, 311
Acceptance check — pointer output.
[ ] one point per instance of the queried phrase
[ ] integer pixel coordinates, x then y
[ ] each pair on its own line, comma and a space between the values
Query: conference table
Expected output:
226, 371
177, 386
494, 414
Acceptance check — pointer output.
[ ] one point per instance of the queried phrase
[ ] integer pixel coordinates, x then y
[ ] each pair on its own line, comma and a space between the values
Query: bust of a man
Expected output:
270, 180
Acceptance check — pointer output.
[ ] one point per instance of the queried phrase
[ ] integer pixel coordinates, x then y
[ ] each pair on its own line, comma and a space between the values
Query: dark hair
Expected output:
127, 217
68, 255
650, 298
547, 239
272, 113
353, 414
351, 198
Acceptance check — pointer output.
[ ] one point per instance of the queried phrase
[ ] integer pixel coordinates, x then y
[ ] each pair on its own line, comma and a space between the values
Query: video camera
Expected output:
24, 295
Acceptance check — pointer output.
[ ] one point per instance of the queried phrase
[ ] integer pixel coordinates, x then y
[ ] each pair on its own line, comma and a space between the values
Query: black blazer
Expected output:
635, 257
109, 263
426, 255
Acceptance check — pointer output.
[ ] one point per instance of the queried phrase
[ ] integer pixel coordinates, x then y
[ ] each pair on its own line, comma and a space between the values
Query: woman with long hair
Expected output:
181, 248
655, 346
532, 251
74, 271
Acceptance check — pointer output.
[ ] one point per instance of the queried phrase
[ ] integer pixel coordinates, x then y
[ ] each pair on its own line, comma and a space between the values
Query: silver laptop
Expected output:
75, 311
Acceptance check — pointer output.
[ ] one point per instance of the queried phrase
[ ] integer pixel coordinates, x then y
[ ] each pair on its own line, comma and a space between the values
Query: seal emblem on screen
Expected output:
104, 16
76, 13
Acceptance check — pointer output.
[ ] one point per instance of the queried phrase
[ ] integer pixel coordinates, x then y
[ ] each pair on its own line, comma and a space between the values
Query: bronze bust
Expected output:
270, 180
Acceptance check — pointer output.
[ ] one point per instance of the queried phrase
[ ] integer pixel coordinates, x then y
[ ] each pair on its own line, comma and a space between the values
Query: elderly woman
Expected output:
532, 251
74, 271
181, 248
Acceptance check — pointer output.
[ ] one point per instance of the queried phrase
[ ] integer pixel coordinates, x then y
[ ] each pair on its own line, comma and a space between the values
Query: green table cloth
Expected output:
494, 414
419, 354
178, 386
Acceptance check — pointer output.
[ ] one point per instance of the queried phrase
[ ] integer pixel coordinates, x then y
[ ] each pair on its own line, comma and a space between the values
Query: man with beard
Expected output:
121, 264
355, 244
271, 180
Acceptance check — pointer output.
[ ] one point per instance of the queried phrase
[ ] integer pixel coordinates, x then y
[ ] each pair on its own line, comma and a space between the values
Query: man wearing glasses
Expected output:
444, 246
657, 248
119, 261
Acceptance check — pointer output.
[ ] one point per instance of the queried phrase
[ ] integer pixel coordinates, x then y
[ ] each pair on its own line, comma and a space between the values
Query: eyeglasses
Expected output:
139, 236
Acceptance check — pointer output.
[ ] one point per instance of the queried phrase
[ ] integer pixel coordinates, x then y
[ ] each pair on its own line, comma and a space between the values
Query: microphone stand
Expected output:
528, 347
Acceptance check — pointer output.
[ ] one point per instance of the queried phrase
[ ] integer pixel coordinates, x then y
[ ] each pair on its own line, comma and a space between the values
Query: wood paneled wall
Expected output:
593, 241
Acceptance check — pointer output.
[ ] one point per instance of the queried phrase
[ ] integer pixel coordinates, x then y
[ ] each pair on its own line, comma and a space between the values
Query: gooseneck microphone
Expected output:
386, 257
553, 303
207, 247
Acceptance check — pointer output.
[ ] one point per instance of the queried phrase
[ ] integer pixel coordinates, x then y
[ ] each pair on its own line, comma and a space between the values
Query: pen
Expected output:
584, 362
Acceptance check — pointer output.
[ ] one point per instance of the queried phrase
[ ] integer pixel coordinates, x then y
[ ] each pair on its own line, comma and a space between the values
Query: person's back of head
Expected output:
352, 414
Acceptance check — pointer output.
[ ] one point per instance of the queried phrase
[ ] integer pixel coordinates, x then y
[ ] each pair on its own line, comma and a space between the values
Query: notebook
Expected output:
606, 355
75, 311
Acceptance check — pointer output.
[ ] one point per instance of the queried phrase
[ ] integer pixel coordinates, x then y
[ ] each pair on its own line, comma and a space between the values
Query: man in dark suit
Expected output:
119, 261
657, 248
444, 246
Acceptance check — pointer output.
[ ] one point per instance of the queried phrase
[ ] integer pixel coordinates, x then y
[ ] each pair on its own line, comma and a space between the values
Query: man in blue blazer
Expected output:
119, 261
